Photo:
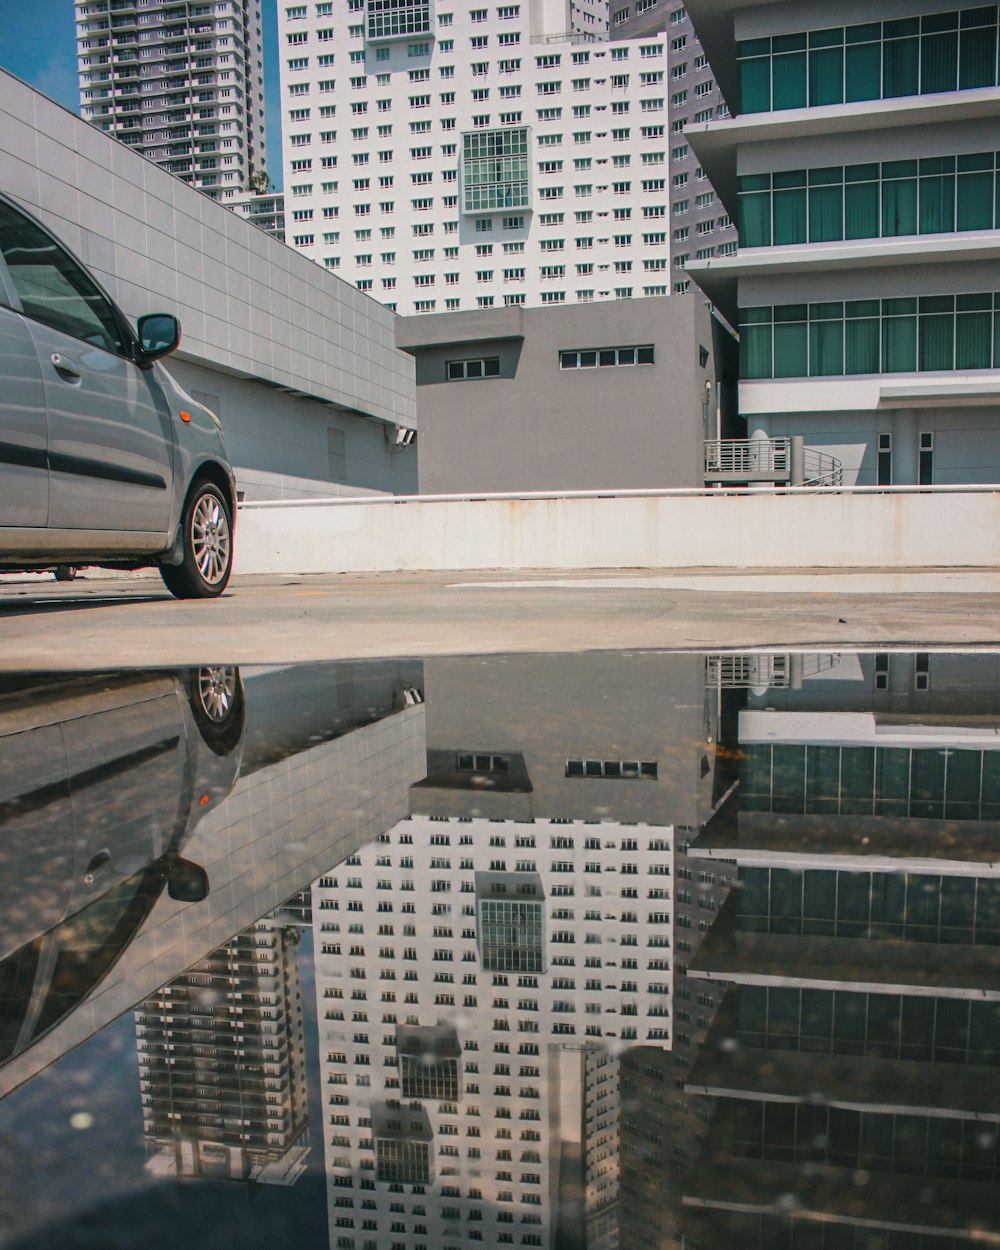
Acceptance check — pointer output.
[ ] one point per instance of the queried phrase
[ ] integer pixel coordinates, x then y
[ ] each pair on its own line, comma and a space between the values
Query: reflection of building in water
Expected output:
222, 1063
663, 1124
513, 940
477, 979
856, 1051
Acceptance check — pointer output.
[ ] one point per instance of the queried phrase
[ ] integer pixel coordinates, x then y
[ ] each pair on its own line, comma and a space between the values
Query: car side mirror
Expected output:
159, 335
186, 882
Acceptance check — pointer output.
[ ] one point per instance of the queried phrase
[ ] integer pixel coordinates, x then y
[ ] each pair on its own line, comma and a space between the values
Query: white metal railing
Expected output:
771, 460
749, 457
662, 492
733, 670
822, 469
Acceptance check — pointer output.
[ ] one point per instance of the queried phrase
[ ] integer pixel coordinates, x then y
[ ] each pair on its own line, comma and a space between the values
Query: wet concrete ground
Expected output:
99, 622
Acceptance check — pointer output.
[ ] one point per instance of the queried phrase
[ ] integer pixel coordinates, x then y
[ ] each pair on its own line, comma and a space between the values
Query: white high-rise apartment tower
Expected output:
181, 82
444, 156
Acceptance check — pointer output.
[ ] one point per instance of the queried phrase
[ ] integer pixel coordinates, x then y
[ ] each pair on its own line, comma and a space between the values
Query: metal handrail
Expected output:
822, 469
652, 492
771, 459
748, 455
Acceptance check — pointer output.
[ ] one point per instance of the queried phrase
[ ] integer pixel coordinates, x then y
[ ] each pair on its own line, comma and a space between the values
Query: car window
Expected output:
52, 287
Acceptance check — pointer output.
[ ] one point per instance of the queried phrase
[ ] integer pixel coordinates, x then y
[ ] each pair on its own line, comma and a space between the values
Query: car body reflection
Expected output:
121, 791
104, 778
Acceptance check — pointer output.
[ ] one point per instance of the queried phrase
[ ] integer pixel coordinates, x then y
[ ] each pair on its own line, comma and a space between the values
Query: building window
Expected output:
611, 768
933, 195
930, 333
392, 19
877, 60
926, 468
495, 169
603, 357
463, 371
884, 460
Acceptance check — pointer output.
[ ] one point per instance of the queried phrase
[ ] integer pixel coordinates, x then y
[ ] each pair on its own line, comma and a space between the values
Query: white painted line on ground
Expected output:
973, 582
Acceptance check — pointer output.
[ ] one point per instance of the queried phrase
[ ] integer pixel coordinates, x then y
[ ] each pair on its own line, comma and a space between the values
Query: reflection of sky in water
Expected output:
491, 1019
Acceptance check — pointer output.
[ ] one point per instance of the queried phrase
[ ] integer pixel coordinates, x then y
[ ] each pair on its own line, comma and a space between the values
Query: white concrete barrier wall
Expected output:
861, 528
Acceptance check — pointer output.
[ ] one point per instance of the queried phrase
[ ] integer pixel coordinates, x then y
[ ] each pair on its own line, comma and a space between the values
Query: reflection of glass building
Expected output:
222, 1064
854, 1056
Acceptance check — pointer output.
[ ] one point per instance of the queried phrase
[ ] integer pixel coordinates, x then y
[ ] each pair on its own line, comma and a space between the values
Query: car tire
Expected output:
218, 705
65, 572
207, 541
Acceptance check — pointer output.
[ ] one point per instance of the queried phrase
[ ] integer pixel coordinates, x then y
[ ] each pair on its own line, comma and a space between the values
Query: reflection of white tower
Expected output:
222, 1064
477, 980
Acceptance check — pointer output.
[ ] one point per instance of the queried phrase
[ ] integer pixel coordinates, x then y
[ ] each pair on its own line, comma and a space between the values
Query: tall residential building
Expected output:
266, 209
446, 157
181, 82
861, 165
700, 225
222, 1065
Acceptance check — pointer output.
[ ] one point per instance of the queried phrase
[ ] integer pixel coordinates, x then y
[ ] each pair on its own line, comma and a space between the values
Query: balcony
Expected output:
779, 461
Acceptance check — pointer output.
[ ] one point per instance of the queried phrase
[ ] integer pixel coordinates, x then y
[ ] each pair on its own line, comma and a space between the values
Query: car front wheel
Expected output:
207, 539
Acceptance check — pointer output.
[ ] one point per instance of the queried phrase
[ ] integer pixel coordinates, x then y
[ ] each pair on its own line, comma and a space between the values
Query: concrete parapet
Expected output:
806, 528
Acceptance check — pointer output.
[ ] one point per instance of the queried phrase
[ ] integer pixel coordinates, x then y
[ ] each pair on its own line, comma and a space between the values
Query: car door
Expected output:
110, 447
24, 471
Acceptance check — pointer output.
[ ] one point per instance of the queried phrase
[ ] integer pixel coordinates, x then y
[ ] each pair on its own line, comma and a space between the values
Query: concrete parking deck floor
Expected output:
100, 622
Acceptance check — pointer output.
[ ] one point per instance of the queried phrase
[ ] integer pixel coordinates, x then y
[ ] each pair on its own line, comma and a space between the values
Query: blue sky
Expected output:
38, 44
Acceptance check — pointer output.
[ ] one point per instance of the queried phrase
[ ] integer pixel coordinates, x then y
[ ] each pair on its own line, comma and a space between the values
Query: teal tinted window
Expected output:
975, 196
788, 80
973, 339
755, 351
899, 344
861, 217
755, 84
826, 76
939, 56
899, 335
911, 56
826, 348
977, 51
790, 208
826, 213
899, 206
901, 66
863, 70
937, 202
791, 359
755, 218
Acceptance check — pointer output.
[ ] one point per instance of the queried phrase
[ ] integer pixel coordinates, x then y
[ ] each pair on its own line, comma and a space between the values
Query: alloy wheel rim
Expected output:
216, 691
210, 540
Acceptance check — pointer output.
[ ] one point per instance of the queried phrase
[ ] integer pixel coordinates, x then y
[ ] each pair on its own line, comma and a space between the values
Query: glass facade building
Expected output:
862, 169
953, 51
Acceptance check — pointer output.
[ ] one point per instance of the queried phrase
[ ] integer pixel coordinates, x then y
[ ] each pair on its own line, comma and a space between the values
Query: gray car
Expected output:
104, 460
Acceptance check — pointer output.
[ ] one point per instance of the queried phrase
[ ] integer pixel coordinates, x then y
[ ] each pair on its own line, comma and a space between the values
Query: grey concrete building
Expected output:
180, 82
700, 225
300, 367
614, 396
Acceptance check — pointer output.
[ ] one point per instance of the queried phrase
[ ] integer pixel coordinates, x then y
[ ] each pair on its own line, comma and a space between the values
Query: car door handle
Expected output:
64, 365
